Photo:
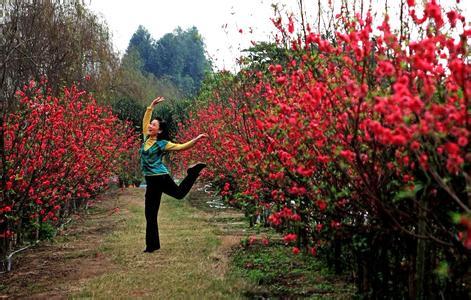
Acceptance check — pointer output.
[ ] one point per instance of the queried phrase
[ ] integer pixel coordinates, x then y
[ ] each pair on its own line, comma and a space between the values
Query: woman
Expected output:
156, 173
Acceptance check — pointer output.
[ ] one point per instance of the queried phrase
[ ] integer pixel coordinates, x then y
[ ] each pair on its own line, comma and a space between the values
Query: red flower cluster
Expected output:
58, 153
343, 130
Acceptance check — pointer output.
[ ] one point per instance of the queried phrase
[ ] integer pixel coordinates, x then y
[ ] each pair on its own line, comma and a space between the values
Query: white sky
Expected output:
218, 21
209, 16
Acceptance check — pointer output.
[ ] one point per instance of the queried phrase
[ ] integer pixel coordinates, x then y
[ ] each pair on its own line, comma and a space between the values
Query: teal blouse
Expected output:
151, 159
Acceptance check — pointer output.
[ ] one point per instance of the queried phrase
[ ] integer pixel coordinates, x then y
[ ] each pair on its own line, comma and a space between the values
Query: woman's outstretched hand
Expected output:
157, 100
200, 136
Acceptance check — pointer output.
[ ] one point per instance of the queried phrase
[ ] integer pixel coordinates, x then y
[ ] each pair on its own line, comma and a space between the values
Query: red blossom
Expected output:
291, 237
265, 241
321, 204
313, 251
290, 25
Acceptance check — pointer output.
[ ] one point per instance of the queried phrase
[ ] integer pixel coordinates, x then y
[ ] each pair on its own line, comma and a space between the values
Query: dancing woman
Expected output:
158, 180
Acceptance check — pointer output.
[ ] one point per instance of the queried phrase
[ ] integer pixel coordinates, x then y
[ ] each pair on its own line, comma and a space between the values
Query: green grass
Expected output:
274, 271
183, 268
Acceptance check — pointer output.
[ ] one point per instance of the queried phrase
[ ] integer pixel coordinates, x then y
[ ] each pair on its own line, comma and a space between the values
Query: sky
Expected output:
218, 21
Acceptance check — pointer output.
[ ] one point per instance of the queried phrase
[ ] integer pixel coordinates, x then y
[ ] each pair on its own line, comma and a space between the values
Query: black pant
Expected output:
156, 185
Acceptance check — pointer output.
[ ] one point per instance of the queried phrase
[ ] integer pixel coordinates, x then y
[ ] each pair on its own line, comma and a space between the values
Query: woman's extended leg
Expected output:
169, 187
152, 204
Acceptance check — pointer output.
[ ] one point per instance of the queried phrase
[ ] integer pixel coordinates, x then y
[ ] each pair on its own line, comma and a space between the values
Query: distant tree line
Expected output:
178, 56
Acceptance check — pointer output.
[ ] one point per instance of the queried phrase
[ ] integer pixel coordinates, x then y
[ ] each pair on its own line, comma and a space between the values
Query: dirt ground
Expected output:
54, 269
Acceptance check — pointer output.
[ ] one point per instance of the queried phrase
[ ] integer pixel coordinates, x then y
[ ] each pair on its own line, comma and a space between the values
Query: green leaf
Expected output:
456, 217
409, 194
443, 270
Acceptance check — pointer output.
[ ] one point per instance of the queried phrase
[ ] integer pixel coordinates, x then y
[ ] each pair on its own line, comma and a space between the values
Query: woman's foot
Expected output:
150, 250
196, 168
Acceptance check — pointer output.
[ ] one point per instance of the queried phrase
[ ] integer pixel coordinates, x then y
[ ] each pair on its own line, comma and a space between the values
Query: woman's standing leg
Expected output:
152, 204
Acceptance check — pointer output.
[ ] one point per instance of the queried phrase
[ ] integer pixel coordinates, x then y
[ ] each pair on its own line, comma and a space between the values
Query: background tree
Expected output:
63, 41
142, 45
134, 88
178, 56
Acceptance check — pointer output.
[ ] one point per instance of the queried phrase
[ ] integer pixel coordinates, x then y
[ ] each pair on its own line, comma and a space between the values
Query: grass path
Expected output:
101, 256
186, 266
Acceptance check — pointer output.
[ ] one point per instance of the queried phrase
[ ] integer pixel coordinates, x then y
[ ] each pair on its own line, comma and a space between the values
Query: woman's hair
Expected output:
163, 127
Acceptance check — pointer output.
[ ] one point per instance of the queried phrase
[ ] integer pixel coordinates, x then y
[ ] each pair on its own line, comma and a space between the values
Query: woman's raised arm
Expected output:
148, 114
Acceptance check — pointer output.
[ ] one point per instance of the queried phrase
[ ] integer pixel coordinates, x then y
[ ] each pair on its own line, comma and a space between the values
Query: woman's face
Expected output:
154, 128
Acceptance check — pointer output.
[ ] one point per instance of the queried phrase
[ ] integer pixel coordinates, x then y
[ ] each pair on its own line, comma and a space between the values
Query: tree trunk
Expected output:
421, 260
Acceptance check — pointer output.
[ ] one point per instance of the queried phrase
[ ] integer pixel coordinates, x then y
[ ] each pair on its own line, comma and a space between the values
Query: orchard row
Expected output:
356, 147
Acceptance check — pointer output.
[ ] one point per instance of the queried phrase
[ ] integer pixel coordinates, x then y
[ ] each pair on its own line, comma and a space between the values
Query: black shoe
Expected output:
150, 250
196, 168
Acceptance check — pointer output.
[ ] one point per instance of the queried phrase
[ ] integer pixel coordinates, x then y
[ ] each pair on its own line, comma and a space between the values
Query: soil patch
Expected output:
55, 269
